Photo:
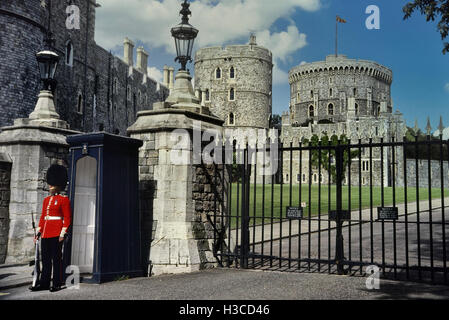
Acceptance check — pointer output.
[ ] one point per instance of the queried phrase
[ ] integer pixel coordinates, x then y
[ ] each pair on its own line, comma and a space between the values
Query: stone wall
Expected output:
5, 181
333, 82
32, 150
96, 79
252, 83
423, 173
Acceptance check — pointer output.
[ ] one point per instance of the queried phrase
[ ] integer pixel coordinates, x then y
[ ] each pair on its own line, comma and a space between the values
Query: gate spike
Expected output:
416, 128
428, 127
441, 127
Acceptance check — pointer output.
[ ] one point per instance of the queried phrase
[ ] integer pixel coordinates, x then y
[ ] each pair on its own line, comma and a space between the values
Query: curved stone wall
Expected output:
252, 83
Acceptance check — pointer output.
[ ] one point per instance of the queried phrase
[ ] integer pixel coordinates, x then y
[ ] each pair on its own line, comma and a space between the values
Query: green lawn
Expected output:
314, 209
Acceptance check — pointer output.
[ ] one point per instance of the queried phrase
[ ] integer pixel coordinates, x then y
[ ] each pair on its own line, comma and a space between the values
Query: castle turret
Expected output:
237, 83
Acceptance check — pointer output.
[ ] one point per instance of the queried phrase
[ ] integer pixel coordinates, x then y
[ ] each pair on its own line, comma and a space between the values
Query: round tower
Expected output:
22, 33
339, 89
237, 81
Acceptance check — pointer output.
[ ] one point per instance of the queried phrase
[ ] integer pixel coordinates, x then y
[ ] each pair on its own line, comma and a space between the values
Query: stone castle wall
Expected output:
253, 66
86, 96
334, 82
5, 193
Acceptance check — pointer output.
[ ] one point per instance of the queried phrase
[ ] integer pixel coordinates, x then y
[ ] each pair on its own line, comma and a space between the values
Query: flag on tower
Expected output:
340, 20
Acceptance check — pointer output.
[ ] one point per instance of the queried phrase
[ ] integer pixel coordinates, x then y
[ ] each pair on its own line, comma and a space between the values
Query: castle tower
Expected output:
237, 82
339, 88
21, 39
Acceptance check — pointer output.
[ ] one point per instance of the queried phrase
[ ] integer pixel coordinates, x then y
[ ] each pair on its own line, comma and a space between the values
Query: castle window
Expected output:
311, 93
218, 73
356, 109
298, 98
231, 119
354, 91
330, 109
311, 111
69, 53
207, 95
232, 94
79, 107
232, 73
330, 80
304, 177
330, 92
128, 93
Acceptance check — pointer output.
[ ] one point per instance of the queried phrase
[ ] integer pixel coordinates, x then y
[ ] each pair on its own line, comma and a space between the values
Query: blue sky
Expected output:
297, 31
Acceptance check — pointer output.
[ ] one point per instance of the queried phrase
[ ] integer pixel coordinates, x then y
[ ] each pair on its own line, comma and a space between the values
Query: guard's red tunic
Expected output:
55, 217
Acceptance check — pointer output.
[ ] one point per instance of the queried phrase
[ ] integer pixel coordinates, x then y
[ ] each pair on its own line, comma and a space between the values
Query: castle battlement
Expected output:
342, 64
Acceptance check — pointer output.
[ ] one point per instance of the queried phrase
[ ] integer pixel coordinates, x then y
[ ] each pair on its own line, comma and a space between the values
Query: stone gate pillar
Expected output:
5, 182
177, 190
32, 146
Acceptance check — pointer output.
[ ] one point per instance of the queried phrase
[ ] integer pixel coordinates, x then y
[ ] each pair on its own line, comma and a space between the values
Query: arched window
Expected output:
356, 109
232, 94
354, 91
330, 92
232, 73
218, 73
311, 93
69, 53
311, 111
79, 106
231, 119
330, 109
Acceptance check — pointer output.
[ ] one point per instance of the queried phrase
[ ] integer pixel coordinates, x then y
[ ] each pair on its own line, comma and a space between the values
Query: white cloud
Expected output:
219, 22
155, 74
446, 87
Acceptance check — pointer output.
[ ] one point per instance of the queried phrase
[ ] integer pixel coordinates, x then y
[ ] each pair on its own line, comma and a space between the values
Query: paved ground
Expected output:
232, 284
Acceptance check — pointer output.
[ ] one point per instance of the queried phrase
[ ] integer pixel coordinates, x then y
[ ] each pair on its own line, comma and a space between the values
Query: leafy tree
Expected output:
276, 121
432, 9
423, 149
326, 154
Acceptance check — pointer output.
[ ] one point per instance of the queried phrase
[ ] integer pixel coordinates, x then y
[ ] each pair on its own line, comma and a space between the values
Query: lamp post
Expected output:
182, 96
47, 59
184, 35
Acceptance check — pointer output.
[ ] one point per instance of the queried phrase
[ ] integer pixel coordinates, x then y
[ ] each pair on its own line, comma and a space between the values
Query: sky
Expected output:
296, 31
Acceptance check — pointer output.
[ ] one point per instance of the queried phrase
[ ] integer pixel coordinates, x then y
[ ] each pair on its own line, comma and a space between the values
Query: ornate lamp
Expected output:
48, 62
184, 35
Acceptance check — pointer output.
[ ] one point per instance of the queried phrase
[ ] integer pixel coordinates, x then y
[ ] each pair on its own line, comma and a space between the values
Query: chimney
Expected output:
128, 52
166, 76
142, 60
252, 40
171, 72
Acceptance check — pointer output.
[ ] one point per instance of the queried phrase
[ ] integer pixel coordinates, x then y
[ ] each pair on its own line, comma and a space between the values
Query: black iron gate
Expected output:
340, 207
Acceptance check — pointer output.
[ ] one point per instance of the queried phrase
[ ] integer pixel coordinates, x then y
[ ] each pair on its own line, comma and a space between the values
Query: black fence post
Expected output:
339, 246
244, 252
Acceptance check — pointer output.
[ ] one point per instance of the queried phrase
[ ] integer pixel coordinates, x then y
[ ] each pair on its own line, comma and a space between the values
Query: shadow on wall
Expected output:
5, 183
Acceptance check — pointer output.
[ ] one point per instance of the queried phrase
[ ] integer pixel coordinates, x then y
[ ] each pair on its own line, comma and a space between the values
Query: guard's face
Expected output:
53, 189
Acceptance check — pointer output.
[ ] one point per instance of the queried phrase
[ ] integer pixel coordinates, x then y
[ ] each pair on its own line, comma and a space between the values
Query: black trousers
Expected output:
51, 259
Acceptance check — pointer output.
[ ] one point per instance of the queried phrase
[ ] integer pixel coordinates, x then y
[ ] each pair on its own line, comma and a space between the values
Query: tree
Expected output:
329, 154
432, 9
276, 121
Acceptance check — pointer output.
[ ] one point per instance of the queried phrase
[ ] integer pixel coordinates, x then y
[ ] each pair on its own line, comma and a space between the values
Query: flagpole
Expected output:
336, 37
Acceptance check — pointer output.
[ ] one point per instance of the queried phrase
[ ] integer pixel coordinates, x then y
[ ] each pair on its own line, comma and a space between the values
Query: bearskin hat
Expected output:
57, 176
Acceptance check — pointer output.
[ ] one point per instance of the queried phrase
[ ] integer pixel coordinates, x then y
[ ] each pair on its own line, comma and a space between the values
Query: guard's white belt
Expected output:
52, 218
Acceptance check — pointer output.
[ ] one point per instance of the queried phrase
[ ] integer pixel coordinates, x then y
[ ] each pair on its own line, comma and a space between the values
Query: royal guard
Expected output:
53, 224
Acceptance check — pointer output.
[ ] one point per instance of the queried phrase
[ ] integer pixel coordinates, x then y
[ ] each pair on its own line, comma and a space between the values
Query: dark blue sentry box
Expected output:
104, 237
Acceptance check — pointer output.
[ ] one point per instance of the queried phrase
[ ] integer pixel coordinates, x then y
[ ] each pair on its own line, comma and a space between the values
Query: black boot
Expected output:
39, 288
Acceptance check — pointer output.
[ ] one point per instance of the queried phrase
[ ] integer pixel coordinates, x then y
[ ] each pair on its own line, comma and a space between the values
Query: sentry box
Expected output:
105, 235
